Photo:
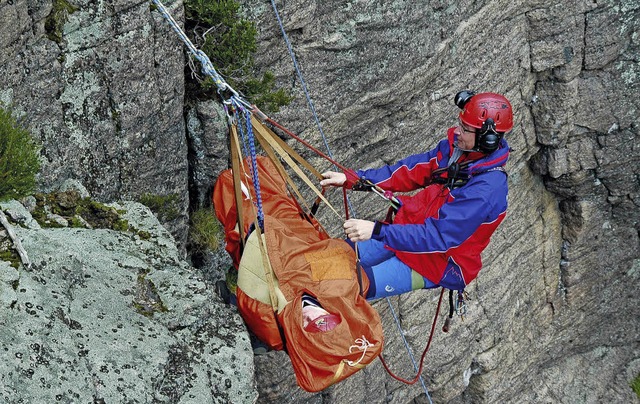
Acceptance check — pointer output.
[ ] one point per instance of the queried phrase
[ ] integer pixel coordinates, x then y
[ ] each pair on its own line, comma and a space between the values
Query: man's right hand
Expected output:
333, 178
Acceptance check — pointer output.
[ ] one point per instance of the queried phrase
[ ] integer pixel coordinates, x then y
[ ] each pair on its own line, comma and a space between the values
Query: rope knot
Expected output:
361, 344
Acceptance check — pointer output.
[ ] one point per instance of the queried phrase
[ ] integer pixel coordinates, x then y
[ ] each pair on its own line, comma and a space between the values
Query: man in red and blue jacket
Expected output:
439, 233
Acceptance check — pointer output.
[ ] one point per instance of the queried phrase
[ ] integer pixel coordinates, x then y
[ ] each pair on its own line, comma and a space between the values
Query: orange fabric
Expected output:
319, 358
274, 200
260, 319
304, 260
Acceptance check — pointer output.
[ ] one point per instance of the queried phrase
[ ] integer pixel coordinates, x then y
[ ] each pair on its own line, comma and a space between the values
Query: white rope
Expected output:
362, 344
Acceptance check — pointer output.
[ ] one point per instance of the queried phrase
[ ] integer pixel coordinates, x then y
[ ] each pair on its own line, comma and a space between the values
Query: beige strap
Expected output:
276, 161
236, 170
268, 270
256, 123
262, 132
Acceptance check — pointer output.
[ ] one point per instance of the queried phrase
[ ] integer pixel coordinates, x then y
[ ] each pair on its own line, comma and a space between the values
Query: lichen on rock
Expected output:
102, 315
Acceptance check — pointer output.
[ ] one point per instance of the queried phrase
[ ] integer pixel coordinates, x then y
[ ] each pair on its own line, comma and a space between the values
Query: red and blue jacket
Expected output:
440, 231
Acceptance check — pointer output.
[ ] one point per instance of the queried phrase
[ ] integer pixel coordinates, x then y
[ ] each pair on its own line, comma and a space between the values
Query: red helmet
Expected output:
477, 108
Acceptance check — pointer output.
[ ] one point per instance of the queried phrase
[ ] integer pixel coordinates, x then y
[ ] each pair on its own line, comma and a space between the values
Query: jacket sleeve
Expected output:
476, 203
410, 173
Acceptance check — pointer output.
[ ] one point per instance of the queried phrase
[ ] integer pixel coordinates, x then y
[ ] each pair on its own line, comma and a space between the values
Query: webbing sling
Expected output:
283, 172
270, 138
238, 171
236, 163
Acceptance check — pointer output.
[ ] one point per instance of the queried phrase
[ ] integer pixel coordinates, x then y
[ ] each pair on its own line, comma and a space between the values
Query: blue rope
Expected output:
246, 132
254, 167
315, 116
406, 344
241, 129
306, 92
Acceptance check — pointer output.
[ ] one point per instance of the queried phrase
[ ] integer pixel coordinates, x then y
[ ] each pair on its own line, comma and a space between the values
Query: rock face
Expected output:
552, 316
545, 321
114, 317
100, 84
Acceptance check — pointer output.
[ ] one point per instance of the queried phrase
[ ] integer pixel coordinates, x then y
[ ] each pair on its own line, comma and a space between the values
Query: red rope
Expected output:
426, 349
304, 142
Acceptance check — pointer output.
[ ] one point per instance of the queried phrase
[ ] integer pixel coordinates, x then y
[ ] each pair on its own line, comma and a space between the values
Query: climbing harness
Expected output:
454, 176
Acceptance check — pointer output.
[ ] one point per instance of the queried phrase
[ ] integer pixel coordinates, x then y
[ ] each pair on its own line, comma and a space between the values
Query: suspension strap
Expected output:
268, 272
292, 185
270, 121
270, 138
236, 171
259, 116
353, 181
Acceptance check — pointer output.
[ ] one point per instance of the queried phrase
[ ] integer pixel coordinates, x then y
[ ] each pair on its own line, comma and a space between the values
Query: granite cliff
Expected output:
553, 315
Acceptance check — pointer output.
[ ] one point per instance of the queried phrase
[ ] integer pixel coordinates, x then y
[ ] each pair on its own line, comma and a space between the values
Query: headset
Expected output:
487, 138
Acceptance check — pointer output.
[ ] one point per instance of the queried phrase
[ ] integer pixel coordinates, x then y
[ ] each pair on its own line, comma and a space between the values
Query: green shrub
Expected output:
635, 385
230, 43
165, 207
19, 162
206, 232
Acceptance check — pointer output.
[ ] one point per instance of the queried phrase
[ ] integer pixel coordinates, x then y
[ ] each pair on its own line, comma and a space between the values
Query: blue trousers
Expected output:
388, 276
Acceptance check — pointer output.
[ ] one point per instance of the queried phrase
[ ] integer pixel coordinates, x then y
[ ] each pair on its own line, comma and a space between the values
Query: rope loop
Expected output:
362, 344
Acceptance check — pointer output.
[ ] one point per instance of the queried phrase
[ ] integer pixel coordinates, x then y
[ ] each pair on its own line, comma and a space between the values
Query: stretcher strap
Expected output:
236, 171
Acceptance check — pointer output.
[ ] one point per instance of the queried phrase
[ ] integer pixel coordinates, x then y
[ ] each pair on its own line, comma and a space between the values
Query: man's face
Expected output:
466, 136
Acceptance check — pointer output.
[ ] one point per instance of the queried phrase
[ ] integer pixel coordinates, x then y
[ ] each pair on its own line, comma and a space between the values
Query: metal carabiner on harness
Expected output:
461, 304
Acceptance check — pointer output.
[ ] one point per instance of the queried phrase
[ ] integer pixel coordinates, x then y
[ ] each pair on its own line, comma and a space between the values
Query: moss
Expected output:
8, 253
19, 162
205, 231
635, 385
165, 207
144, 235
230, 43
77, 210
231, 277
262, 93
147, 301
56, 19
76, 222
11, 256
